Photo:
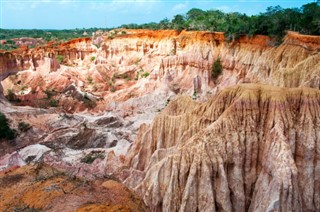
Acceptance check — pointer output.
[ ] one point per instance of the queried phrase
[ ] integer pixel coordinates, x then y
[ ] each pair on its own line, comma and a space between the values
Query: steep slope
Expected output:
249, 148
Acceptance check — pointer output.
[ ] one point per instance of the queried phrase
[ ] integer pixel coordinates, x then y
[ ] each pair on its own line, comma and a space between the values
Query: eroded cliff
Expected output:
170, 60
249, 148
105, 112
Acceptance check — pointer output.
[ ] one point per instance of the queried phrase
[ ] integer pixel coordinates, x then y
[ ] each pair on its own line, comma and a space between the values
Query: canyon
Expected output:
136, 115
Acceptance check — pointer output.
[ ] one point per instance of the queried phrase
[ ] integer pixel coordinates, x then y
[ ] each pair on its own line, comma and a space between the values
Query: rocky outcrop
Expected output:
249, 148
24, 58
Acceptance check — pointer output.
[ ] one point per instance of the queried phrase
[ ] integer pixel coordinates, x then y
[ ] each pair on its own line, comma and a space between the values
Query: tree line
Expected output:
273, 22
45, 34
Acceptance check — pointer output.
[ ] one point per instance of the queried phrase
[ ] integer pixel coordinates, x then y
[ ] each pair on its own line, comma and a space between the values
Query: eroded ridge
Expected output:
249, 148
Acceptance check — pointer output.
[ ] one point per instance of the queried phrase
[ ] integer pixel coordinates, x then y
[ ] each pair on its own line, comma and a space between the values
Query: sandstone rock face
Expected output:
249, 148
24, 58
169, 60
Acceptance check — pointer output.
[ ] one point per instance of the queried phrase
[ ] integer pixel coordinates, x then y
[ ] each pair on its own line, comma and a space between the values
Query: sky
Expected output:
71, 14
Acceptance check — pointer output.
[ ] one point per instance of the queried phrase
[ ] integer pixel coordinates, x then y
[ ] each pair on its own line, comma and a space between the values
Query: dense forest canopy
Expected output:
273, 22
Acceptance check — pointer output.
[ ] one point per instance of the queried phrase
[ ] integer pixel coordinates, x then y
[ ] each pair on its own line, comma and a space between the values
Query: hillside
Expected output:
144, 108
249, 148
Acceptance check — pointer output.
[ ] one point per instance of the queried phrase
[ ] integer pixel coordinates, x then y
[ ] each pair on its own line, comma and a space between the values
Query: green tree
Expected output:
164, 24
178, 22
195, 13
216, 20
311, 18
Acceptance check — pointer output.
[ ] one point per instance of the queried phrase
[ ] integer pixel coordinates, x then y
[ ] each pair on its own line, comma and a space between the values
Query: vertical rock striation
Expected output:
174, 58
250, 148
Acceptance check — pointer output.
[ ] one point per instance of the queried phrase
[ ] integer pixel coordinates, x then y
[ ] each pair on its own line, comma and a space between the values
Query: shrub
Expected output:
49, 93
216, 69
114, 76
145, 74
120, 76
124, 76
5, 131
93, 58
11, 96
23, 127
139, 74
92, 156
59, 58
90, 80
54, 103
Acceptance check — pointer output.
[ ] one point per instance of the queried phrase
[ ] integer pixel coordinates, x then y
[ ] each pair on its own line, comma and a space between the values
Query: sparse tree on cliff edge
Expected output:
178, 22
164, 24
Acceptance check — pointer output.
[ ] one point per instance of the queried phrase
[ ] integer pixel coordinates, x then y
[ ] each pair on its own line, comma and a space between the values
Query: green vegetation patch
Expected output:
273, 22
49, 92
90, 80
5, 131
120, 76
60, 58
23, 127
216, 69
12, 97
54, 103
145, 75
